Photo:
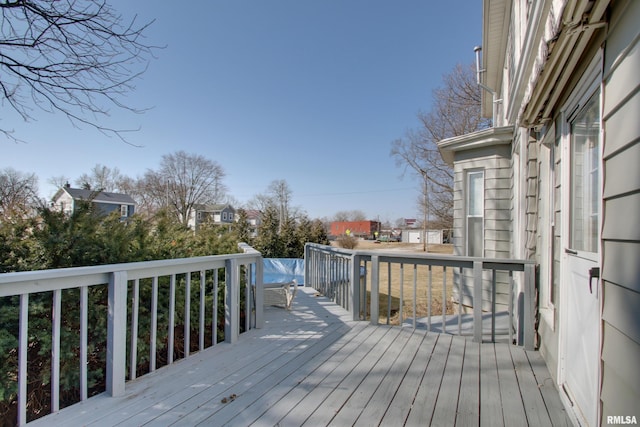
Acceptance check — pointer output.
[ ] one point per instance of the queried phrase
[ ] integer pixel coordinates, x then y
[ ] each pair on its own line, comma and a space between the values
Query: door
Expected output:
581, 352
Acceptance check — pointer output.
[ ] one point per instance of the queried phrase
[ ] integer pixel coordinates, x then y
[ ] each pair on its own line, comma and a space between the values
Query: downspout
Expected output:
493, 93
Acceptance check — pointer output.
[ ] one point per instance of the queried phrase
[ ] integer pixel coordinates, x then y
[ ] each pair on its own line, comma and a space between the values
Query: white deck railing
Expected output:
341, 274
119, 278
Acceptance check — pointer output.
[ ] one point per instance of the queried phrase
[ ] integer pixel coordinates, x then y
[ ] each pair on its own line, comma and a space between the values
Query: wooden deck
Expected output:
313, 366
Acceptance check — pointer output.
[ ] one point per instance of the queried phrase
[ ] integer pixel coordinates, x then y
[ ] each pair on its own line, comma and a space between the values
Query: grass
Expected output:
400, 280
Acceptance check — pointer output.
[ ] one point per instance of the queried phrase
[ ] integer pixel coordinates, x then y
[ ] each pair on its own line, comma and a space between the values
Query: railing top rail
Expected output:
24, 282
427, 258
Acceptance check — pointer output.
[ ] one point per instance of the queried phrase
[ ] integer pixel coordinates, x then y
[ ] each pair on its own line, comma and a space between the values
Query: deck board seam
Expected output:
293, 377
256, 376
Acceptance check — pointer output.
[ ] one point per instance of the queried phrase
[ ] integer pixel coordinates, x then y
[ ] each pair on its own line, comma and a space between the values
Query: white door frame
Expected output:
589, 84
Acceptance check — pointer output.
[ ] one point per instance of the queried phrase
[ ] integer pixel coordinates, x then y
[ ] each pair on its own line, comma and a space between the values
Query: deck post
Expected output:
259, 292
477, 301
307, 262
354, 287
529, 289
117, 333
22, 359
232, 301
375, 289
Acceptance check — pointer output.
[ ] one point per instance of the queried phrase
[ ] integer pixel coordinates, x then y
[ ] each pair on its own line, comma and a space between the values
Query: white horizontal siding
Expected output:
620, 391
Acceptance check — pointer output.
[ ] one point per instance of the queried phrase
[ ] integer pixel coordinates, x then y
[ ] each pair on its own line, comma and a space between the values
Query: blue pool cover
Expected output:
282, 270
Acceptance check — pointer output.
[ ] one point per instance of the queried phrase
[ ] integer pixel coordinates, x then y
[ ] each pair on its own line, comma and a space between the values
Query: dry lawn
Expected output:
402, 283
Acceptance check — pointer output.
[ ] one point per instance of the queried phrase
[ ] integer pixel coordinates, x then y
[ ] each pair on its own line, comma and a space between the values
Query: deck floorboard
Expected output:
314, 366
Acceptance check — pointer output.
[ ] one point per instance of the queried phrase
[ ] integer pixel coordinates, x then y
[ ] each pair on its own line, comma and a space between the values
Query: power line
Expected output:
348, 193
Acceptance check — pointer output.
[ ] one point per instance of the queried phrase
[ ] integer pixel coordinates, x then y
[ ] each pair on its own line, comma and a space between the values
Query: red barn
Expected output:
364, 229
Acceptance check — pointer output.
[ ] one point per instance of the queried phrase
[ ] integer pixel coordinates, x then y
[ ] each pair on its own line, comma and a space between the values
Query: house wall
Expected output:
434, 237
496, 163
225, 215
548, 254
107, 208
356, 228
621, 207
64, 203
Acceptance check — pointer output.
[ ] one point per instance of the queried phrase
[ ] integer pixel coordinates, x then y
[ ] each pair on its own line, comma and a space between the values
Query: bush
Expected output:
347, 242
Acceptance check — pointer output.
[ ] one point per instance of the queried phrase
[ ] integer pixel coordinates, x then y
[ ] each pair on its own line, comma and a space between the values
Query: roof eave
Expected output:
479, 139
495, 31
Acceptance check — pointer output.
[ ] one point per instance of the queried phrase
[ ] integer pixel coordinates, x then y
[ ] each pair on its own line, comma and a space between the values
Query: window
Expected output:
585, 177
475, 213
124, 210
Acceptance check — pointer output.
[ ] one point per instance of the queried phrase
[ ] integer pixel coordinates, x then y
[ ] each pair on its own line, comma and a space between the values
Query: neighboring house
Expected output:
365, 229
66, 200
212, 214
434, 237
410, 222
557, 180
254, 218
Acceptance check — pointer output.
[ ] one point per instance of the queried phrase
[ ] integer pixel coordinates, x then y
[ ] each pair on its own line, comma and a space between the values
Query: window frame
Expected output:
467, 215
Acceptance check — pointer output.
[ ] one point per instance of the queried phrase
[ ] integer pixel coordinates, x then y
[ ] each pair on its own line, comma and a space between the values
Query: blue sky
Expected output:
309, 91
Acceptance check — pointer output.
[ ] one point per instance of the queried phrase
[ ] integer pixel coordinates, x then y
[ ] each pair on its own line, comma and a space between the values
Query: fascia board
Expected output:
482, 138
495, 31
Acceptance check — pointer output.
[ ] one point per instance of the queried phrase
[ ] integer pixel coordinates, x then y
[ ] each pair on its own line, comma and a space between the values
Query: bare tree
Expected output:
260, 202
185, 180
352, 215
280, 193
455, 111
101, 178
149, 192
75, 57
58, 181
18, 192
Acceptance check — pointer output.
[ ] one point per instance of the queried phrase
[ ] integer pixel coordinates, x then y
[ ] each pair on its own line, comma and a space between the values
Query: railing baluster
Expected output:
215, 307
401, 308
366, 306
347, 270
133, 356
203, 279
511, 314
260, 293
444, 299
252, 295
429, 300
389, 300
493, 305
23, 343
477, 301
354, 288
84, 328
172, 317
460, 300
338, 282
55, 350
415, 295
154, 323
187, 314
247, 299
